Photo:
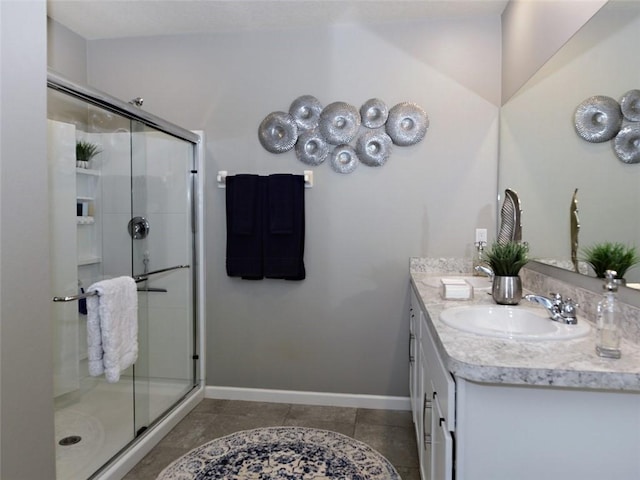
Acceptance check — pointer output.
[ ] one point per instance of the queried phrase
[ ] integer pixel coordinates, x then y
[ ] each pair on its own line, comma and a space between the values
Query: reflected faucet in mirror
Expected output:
574, 222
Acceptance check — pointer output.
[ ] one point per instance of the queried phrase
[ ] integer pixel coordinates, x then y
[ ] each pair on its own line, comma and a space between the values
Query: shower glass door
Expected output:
93, 418
127, 213
162, 241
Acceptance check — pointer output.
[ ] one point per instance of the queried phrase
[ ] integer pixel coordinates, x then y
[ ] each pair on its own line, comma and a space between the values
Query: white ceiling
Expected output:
95, 19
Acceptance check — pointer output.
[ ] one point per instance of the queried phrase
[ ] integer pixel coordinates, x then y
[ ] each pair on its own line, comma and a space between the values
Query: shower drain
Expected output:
70, 440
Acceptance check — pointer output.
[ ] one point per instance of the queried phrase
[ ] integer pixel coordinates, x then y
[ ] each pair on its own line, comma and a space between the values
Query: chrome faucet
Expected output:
559, 309
486, 270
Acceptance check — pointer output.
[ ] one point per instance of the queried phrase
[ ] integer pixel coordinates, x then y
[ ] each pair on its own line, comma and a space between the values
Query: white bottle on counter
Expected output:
608, 320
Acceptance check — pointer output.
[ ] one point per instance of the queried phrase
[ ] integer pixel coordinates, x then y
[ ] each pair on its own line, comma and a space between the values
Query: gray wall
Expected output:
66, 52
533, 31
425, 201
26, 377
343, 329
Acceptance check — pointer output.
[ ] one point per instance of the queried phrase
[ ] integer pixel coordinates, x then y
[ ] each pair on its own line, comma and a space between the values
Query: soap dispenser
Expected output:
608, 320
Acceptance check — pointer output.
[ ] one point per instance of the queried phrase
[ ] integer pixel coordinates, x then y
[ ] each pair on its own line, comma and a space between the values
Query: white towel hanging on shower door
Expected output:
112, 327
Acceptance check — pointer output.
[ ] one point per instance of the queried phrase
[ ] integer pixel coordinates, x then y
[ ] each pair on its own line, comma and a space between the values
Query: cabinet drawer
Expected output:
441, 379
442, 448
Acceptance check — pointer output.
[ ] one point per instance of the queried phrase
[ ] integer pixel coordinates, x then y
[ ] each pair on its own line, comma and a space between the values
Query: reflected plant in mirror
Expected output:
611, 256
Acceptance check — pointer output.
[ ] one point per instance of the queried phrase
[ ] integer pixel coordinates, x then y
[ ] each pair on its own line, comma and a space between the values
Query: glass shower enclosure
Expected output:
130, 211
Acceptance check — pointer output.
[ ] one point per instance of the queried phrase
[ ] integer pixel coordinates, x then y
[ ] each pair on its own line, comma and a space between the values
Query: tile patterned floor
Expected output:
389, 432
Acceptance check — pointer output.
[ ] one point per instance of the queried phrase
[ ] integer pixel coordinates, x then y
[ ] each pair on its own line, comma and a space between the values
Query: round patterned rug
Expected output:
282, 453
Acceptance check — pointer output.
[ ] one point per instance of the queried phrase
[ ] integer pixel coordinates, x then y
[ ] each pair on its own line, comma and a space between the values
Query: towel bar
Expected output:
138, 278
143, 276
221, 178
71, 298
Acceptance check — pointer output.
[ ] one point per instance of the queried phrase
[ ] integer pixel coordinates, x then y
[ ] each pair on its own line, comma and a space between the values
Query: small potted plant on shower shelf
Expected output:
85, 151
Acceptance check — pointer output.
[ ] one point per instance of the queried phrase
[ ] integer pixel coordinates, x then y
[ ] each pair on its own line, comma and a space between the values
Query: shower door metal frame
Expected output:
121, 463
133, 112
113, 104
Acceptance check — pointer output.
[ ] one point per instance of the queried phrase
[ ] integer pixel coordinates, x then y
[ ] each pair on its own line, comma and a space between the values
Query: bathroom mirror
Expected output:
544, 160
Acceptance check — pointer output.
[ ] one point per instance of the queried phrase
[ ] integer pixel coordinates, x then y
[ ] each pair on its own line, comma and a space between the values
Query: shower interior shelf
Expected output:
89, 261
88, 171
87, 237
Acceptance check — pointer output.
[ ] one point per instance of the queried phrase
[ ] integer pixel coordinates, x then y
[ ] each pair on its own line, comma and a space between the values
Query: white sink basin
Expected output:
511, 322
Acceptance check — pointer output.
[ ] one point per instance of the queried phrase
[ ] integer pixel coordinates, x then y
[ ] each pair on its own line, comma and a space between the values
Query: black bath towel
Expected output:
265, 226
284, 227
244, 197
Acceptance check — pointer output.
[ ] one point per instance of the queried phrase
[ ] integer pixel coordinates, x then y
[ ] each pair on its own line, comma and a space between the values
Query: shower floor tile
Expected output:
102, 416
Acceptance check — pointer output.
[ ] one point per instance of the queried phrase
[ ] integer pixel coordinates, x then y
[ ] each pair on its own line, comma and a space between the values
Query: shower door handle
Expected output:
151, 289
145, 276
137, 278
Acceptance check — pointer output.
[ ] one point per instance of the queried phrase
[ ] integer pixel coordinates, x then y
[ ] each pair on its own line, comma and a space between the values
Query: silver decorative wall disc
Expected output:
373, 113
306, 111
407, 124
630, 105
339, 123
278, 132
344, 159
373, 148
598, 119
627, 143
311, 148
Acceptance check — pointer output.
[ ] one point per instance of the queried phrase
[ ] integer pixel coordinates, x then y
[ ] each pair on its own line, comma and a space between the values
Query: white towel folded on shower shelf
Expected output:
112, 327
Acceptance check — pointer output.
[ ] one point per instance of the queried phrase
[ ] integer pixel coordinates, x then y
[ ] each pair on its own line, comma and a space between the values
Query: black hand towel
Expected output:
284, 227
244, 197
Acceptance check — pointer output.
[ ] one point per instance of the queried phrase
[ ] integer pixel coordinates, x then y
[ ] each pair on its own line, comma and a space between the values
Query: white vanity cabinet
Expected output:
415, 319
439, 389
469, 428
416, 374
432, 392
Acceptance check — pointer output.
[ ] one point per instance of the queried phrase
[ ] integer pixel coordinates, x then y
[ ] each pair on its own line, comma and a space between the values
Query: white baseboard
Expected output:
308, 398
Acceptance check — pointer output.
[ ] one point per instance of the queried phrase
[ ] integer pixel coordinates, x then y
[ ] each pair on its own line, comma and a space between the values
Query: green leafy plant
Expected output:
507, 259
611, 256
85, 151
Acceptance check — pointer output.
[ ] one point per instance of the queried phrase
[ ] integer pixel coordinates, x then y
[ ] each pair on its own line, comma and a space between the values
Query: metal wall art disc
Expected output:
306, 111
627, 143
374, 113
278, 132
630, 105
344, 159
598, 119
339, 123
373, 148
311, 148
407, 124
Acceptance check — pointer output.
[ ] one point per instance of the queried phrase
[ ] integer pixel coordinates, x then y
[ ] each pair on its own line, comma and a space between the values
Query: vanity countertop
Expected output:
562, 363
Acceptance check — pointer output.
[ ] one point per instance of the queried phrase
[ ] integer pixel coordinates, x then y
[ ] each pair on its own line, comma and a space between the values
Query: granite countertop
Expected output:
564, 363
